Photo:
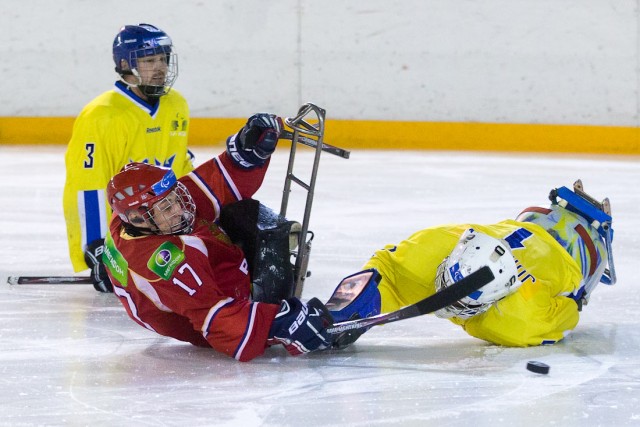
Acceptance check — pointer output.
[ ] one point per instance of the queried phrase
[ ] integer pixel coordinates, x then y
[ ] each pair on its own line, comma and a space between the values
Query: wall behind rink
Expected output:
513, 75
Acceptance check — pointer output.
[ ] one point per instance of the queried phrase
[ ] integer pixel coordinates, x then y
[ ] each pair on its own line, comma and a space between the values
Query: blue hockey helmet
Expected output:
138, 41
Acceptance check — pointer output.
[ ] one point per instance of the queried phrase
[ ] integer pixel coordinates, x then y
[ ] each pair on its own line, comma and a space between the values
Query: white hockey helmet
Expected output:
473, 251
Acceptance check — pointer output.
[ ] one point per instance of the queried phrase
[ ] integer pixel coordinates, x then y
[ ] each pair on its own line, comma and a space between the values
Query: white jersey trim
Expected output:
214, 310
207, 192
82, 214
196, 243
149, 291
132, 307
247, 336
228, 178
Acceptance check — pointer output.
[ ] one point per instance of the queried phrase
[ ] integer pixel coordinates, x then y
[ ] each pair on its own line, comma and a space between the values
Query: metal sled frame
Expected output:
597, 213
311, 135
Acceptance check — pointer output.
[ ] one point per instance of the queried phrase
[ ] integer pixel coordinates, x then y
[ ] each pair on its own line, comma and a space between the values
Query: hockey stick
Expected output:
435, 302
49, 280
285, 134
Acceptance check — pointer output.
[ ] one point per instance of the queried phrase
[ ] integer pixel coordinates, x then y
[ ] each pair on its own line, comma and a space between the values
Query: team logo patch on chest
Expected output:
216, 231
114, 261
165, 259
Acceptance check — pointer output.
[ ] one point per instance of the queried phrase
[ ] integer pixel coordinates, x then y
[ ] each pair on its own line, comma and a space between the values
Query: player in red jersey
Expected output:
177, 272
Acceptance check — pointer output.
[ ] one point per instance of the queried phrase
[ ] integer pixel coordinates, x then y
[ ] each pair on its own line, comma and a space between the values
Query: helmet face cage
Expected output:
473, 251
173, 214
463, 308
170, 59
135, 42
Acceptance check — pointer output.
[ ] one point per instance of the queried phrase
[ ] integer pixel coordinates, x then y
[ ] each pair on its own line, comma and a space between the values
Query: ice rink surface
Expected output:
70, 356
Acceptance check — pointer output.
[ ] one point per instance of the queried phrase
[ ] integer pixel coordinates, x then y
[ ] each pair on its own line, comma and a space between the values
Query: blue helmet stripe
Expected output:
166, 183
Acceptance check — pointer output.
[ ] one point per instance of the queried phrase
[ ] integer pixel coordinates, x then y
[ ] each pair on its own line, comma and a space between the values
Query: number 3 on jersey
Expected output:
91, 148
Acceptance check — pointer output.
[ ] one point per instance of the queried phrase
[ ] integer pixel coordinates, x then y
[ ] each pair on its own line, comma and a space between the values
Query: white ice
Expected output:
70, 356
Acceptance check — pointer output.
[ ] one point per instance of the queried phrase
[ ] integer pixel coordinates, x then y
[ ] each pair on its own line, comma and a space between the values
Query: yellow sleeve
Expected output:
94, 154
408, 269
519, 322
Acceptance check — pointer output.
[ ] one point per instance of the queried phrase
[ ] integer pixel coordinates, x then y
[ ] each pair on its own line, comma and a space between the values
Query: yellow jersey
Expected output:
541, 311
112, 130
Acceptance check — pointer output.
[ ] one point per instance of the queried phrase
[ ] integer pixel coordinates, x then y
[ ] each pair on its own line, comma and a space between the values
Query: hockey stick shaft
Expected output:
49, 280
435, 302
285, 134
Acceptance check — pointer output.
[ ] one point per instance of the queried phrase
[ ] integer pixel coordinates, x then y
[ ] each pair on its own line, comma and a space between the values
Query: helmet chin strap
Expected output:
132, 229
153, 92
124, 72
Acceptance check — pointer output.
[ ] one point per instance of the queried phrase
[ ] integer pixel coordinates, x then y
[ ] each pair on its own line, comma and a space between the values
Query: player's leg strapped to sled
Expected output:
268, 240
582, 226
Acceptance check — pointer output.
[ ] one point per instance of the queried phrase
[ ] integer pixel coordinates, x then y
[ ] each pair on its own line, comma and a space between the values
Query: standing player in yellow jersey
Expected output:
546, 263
141, 119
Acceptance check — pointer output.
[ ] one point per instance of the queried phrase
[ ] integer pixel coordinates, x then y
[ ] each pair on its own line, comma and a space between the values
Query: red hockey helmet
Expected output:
151, 199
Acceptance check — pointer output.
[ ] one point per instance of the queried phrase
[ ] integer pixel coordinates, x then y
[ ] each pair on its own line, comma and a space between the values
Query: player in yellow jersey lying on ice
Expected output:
546, 264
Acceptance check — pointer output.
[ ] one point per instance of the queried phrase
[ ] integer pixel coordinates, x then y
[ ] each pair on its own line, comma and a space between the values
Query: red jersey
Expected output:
194, 287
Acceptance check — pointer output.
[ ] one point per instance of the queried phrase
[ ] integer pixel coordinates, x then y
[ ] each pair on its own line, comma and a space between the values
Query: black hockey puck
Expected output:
537, 367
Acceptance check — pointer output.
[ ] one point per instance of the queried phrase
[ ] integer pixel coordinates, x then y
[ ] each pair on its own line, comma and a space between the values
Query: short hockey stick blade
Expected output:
435, 302
49, 280
285, 134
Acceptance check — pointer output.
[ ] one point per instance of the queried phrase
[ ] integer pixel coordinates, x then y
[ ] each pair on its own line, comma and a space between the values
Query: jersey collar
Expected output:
124, 90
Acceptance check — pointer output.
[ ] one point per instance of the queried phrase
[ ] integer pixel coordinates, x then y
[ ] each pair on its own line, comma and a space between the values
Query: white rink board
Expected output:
494, 61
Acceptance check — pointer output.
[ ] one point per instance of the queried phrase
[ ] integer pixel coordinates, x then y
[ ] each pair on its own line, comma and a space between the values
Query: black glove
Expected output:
256, 141
345, 339
300, 327
93, 258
